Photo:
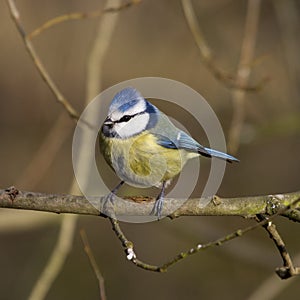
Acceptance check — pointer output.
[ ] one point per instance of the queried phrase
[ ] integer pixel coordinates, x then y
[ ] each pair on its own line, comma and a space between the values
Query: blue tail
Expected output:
218, 154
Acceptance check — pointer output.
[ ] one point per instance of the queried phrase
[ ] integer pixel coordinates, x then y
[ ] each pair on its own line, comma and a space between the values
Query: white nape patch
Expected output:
139, 107
134, 126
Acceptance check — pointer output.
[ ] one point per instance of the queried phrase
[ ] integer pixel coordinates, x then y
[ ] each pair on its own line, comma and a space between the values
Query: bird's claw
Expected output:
107, 205
157, 208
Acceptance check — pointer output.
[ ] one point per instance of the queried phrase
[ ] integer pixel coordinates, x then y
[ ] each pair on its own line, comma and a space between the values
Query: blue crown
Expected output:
125, 99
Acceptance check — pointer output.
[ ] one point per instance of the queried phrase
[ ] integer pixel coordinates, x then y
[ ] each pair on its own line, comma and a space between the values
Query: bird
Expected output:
144, 148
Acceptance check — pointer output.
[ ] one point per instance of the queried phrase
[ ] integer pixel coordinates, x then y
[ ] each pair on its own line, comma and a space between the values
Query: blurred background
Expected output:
149, 39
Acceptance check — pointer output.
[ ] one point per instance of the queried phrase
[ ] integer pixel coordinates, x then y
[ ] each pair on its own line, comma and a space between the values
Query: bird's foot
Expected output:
157, 208
107, 205
158, 205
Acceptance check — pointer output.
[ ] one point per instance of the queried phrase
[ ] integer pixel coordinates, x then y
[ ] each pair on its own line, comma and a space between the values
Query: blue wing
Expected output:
184, 141
179, 141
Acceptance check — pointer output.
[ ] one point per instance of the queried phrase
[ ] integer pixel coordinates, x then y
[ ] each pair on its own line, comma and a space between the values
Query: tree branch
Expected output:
207, 55
36, 59
242, 206
288, 269
80, 16
91, 257
266, 205
243, 74
38, 63
284, 272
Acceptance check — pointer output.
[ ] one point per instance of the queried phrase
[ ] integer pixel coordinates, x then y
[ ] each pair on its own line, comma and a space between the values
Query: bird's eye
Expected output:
125, 118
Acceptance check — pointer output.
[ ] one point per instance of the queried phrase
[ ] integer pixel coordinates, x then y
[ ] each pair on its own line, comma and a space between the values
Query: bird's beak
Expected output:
108, 122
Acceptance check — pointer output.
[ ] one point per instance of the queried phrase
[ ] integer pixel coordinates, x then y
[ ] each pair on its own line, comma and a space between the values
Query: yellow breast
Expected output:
141, 161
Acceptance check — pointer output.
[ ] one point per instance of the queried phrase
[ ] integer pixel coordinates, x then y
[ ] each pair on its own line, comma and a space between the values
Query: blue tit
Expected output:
143, 147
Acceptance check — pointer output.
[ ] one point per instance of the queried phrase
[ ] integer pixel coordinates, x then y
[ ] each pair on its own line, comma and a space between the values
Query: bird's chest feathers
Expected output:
140, 160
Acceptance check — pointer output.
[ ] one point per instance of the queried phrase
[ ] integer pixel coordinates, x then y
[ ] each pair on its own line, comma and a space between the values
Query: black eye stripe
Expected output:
126, 118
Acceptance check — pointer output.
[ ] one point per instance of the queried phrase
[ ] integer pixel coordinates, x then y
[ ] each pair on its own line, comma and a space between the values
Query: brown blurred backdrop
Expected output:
151, 39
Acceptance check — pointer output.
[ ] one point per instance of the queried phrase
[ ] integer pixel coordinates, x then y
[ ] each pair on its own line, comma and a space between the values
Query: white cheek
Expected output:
135, 126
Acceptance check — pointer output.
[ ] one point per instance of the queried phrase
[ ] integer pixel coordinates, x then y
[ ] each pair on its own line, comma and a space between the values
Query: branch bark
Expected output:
242, 206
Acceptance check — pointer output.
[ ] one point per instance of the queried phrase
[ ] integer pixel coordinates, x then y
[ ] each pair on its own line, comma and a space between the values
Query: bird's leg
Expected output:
108, 201
115, 190
157, 208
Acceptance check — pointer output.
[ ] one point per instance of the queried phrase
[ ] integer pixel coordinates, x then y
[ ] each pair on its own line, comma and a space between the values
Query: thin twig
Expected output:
288, 270
93, 263
227, 238
128, 245
37, 62
243, 74
208, 58
80, 16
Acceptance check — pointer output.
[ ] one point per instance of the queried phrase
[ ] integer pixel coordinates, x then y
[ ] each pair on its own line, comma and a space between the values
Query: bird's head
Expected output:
129, 114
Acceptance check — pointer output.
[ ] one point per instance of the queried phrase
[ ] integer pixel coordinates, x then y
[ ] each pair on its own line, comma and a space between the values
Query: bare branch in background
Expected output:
287, 14
57, 259
243, 74
95, 62
67, 232
80, 16
68, 225
208, 58
38, 63
288, 19
93, 263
